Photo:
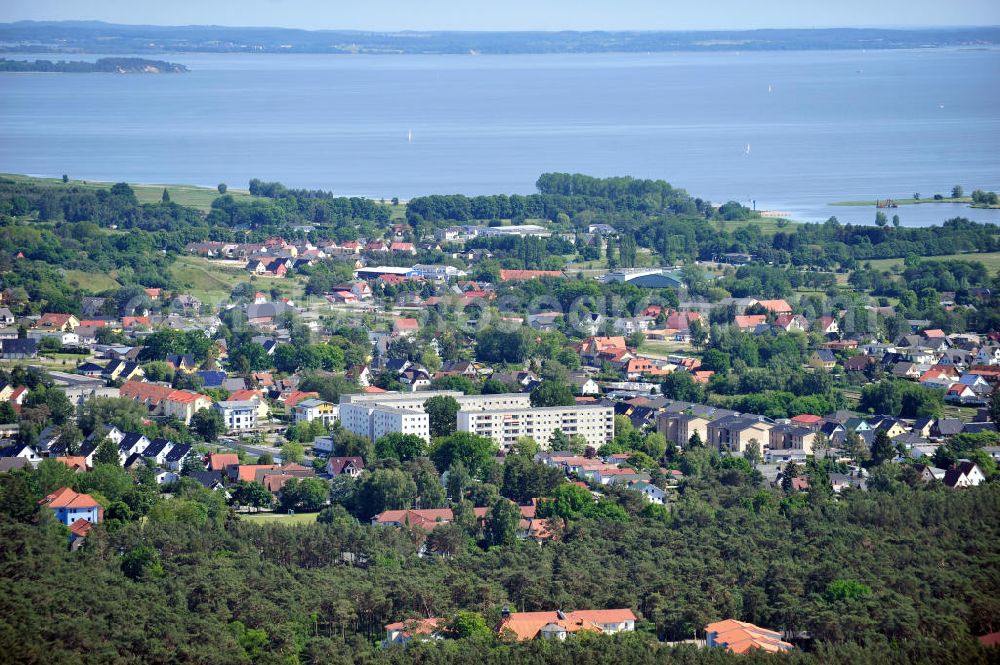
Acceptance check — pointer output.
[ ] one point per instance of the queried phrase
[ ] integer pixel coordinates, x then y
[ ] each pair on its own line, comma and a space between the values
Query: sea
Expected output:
786, 131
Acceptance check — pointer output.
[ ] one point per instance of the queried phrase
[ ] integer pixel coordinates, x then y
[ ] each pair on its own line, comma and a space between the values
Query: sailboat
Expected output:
409, 136
769, 88
748, 150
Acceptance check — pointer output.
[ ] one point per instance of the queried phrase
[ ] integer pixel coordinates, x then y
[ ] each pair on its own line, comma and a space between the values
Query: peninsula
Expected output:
102, 65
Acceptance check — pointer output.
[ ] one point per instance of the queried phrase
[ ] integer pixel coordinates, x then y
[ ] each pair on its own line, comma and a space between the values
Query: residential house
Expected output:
775, 306
966, 474
522, 626
246, 394
406, 327
402, 633
22, 451
57, 322
823, 358
741, 637
749, 322
123, 370
18, 349
827, 325
351, 466
176, 457
70, 506
312, 409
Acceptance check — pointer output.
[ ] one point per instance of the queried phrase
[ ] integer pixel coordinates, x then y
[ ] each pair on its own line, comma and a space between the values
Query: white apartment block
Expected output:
411, 400
505, 426
375, 421
374, 415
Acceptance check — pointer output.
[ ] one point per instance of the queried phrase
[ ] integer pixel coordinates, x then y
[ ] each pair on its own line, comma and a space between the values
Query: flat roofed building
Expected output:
505, 426
312, 409
239, 415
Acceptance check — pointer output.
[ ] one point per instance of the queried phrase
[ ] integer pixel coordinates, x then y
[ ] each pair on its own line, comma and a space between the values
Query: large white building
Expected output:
377, 414
239, 415
506, 425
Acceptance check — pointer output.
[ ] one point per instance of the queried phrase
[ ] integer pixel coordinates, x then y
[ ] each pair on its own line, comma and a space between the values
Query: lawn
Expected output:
280, 518
213, 281
94, 282
664, 347
768, 225
990, 259
189, 195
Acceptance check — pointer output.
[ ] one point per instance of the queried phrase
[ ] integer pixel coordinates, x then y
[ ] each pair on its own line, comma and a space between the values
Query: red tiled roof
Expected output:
297, 396
749, 320
739, 636
776, 306
527, 625
80, 528
74, 462
245, 394
406, 324
53, 319
412, 627
248, 472
427, 518
219, 461
186, 396
65, 497
145, 392
135, 321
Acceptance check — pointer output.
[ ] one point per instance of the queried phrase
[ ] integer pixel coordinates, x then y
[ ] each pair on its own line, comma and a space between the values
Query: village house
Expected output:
402, 633
311, 409
70, 507
740, 637
350, 466
522, 626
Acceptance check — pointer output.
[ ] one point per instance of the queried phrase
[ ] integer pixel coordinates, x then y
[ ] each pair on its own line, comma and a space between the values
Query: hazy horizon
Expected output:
514, 15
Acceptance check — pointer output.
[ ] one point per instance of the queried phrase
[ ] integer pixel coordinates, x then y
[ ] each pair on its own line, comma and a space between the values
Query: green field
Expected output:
94, 282
212, 281
990, 259
188, 195
280, 518
767, 225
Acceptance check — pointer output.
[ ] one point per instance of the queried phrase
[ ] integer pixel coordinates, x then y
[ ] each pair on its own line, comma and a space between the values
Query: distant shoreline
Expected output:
97, 37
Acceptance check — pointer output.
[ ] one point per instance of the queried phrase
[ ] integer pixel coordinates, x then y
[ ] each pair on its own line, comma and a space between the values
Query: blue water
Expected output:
820, 126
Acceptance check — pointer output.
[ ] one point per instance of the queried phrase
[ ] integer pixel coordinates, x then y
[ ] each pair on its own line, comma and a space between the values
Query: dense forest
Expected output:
897, 574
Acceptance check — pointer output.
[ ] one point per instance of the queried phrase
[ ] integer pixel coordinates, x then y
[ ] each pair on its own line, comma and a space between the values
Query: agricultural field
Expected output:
990, 259
213, 281
188, 195
280, 518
